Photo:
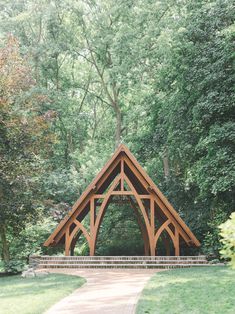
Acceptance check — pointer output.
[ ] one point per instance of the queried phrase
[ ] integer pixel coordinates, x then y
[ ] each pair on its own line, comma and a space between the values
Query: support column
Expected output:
92, 226
67, 243
122, 174
177, 243
152, 227
92, 249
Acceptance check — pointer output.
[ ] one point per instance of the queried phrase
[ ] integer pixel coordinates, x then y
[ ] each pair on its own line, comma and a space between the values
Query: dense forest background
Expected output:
79, 77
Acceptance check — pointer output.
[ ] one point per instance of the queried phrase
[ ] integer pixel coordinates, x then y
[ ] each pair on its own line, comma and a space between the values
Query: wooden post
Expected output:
67, 243
122, 174
152, 226
92, 226
177, 243
92, 248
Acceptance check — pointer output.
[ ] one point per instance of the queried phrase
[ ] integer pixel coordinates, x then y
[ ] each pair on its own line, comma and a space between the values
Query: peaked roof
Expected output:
91, 187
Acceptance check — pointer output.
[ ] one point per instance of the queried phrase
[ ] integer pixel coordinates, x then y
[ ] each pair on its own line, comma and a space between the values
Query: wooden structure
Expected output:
122, 178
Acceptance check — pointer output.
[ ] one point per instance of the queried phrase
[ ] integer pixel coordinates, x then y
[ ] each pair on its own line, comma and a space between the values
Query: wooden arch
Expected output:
123, 177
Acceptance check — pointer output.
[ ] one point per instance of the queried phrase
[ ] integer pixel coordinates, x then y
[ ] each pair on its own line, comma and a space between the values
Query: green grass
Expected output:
35, 295
204, 290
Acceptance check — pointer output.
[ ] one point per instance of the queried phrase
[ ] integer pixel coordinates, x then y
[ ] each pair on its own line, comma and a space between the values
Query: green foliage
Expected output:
82, 248
28, 242
31, 239
81, 77
192, 121
25, 135
119, 233
227, 232
212, 244
14, 266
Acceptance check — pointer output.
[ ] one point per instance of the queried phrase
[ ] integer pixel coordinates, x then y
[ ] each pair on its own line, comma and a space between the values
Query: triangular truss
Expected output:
123, 178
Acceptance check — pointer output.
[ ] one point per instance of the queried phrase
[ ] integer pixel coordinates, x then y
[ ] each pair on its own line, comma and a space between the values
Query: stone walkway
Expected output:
113, 291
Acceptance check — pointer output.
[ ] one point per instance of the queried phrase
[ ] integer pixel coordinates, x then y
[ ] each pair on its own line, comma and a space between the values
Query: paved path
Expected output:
113, 291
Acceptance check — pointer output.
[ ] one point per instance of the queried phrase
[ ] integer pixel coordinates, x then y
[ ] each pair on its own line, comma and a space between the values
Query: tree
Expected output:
157, 75
194, 119
25, 134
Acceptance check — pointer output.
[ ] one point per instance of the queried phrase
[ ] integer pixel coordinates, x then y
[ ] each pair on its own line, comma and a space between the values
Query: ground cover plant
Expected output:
204, 290
35, 295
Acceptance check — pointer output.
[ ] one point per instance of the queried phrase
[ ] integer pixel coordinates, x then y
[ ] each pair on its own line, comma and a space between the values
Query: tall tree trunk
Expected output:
5, 246
166, 163
118, 129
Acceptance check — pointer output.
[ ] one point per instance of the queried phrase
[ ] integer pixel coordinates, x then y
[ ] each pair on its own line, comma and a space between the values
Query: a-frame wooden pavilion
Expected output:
122, 177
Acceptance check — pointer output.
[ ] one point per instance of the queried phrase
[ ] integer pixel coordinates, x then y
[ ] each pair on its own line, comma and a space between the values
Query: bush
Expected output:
228, 239
28, 242
211, 243
14, 266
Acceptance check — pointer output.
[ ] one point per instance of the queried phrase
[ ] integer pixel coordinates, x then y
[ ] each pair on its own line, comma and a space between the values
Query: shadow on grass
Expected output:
193, 290
35, 284
26, 294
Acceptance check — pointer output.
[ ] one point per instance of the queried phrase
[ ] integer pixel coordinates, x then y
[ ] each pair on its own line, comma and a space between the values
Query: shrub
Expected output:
29, 241
228, 239
212, 244
14, 266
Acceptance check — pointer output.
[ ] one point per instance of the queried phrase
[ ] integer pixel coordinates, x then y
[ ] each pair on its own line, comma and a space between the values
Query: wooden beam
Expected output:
67, 244
122, 175
152, 225
96, 196
143, 196
177, 243
122, 193
92, 215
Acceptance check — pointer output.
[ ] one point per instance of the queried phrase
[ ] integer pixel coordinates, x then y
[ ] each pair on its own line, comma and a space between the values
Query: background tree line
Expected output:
79, 77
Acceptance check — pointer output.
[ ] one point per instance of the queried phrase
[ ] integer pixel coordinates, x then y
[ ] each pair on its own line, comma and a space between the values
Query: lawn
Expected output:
34, 295
204, 290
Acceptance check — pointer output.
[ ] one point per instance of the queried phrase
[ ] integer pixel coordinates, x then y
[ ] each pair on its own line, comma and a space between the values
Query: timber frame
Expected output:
123, 178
